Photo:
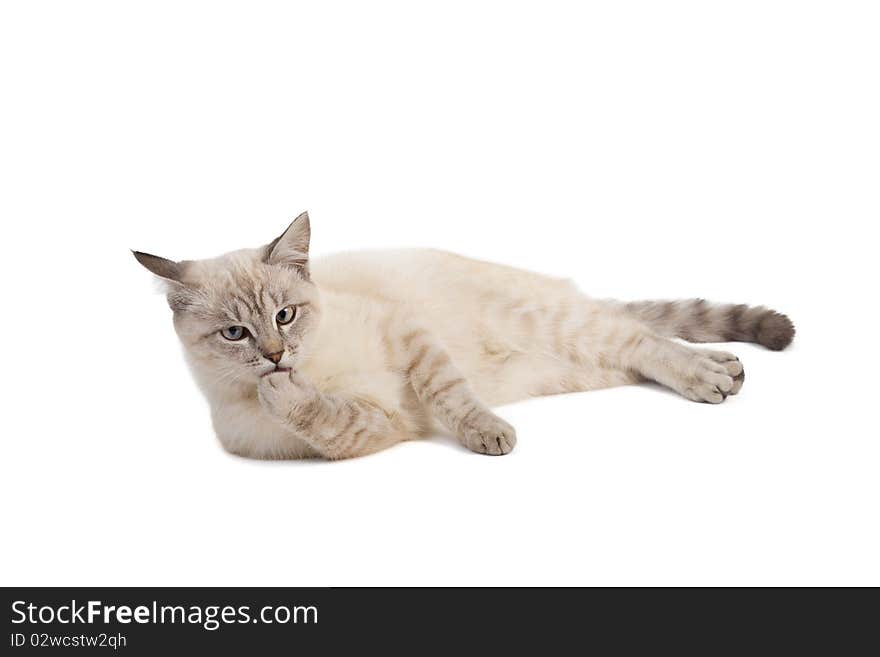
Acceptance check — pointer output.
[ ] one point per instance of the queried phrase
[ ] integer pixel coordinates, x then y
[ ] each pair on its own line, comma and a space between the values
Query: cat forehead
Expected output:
243, 268
242, 282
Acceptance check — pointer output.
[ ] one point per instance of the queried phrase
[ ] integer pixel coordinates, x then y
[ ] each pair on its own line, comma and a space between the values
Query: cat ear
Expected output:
292, 247
178, 294
161, 267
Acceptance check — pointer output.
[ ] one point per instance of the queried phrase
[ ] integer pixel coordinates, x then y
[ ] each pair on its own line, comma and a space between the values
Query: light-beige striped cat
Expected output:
348, 354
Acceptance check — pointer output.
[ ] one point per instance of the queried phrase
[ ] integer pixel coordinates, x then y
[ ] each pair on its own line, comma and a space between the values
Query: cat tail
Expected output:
697, 320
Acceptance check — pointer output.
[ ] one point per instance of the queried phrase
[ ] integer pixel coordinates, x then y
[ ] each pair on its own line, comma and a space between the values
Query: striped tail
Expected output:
696, 320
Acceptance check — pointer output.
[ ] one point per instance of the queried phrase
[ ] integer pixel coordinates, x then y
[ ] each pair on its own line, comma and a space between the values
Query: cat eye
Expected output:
286, 315
234, 332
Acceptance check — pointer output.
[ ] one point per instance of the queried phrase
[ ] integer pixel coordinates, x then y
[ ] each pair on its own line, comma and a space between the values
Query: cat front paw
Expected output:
488, 434
281, 393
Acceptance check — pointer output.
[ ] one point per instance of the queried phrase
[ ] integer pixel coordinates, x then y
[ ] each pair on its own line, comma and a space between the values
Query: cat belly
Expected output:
514, 334
522, 375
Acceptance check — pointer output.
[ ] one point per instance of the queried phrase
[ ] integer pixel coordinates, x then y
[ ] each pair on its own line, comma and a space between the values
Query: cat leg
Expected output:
600, 336
335, 426
702, 375
441, 388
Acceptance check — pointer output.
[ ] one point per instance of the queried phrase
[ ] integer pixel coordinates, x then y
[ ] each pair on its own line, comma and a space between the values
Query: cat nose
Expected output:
275, 356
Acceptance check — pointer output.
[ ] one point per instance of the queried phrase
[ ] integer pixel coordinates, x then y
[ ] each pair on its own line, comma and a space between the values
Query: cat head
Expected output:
246, 313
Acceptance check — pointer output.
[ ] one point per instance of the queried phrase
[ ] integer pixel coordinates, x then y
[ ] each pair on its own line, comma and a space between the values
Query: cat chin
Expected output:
276, 369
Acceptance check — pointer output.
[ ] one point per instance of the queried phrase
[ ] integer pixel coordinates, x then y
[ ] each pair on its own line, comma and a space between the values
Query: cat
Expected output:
348, 354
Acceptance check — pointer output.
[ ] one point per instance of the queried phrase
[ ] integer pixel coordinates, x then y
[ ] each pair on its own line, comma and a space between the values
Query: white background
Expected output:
645, 149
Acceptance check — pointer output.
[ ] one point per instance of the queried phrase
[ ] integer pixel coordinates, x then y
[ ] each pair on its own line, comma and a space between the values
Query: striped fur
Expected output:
387, 345
696, 320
